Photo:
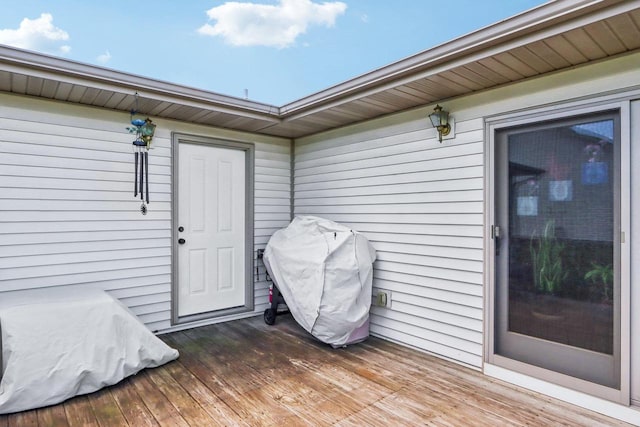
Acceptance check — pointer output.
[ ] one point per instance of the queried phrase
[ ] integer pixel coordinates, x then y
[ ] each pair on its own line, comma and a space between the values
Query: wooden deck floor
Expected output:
245, 373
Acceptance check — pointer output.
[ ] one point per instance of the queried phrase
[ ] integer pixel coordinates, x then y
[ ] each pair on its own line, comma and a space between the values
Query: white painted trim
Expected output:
625, 249
46, 66
536, 24
634, 242
605, 407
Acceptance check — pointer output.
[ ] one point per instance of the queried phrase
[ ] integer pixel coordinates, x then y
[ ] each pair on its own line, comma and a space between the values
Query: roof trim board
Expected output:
551, 37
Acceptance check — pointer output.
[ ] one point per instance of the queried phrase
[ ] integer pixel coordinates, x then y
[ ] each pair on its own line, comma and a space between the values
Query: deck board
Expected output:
246, 373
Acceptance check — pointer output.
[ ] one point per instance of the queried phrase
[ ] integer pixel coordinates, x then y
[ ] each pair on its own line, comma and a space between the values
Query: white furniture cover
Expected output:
56, 346
324, 271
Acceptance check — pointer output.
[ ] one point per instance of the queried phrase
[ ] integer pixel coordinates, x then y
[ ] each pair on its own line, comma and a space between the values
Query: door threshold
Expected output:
189, 322
629, 414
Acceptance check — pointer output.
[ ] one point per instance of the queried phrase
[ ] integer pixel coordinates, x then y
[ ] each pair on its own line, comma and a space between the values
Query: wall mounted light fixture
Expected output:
440, 120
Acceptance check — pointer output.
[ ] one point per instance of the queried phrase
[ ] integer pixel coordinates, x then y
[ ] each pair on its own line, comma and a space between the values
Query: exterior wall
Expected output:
67, 212
422, 203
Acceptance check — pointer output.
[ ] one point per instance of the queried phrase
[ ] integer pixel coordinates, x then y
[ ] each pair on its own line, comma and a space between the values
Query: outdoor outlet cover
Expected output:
382, 299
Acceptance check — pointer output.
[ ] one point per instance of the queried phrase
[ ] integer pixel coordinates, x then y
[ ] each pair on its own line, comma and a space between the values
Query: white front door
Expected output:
211, 215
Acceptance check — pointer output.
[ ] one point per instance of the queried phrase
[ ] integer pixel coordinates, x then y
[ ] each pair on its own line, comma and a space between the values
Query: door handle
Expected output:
181, 241
495, 231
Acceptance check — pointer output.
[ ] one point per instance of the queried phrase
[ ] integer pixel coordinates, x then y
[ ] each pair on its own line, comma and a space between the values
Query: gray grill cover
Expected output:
324, 271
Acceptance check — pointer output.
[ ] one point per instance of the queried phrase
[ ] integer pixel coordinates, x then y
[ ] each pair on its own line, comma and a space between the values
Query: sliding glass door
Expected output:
557, 303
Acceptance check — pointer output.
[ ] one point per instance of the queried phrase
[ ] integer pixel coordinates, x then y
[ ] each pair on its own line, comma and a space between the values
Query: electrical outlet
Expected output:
382, 298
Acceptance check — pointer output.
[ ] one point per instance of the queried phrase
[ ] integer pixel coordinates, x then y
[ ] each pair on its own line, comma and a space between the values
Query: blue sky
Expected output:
279, 50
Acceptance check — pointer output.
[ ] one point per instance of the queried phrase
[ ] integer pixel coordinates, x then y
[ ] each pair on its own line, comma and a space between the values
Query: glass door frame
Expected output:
531, 118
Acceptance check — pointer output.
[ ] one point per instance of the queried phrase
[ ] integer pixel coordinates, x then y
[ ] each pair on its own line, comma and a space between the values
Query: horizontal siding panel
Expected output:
397, 333
435, 301
400, 188
447, 333
140, 286
393, 199
418, 229
419, 284
84, 277
115, 144
429, 271
380, 146
389, 156
81, 206
74, 171
45, 238
273, 186
132, 243
100, 181
391, 208
265, 176
421, 327
85, 154
276, 194
149, 308
65, 128
12, 154
159, 317
141, 300
463, 326
271, 217
73, 194
81, 226
279, 209
131, 214
463, 219
43, 270
427, 248
418, 242
394, 169
452, 264
275, 166
263, 201
399, 178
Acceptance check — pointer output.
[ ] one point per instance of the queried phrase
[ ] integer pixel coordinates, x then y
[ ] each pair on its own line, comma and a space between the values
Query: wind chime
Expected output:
144, 130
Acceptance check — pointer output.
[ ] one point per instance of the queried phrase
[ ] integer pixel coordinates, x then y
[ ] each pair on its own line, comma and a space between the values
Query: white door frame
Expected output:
249, 149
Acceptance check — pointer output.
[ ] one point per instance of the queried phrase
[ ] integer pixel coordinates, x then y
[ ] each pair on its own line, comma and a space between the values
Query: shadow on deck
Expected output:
245, 373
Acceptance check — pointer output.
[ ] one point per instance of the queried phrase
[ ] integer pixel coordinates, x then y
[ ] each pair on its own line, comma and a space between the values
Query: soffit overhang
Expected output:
555, 36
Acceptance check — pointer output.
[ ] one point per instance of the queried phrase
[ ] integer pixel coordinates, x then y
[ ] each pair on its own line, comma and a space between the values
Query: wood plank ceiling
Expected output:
406, 84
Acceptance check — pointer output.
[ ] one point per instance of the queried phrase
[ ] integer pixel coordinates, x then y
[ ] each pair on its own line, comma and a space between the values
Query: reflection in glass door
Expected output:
557, 209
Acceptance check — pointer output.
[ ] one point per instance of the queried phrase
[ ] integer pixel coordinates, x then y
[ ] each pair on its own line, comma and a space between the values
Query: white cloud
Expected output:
250, 24
37, 34
104, 58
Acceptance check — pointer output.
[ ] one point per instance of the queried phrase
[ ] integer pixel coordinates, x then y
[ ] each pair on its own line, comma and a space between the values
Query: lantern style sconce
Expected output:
440, 120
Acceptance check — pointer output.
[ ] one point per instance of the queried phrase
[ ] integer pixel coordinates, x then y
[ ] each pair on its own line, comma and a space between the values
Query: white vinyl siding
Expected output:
272, 206
420, 203
68, 216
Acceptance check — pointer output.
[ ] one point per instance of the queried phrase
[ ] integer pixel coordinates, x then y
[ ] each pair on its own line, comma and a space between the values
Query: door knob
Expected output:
181, 241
